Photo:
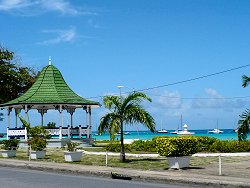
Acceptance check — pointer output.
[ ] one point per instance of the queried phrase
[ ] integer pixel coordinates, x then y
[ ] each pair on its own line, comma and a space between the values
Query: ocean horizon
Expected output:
228, 134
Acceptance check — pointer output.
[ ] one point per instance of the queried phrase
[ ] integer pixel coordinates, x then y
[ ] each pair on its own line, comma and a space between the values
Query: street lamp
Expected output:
120, 88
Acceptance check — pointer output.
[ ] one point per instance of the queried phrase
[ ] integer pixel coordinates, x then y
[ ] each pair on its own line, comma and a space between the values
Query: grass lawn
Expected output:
143, 163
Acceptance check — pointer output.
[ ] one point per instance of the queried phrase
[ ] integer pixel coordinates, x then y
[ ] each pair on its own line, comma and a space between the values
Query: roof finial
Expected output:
49, 60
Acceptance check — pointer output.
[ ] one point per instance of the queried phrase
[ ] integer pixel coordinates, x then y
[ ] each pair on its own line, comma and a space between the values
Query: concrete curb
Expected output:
172, 177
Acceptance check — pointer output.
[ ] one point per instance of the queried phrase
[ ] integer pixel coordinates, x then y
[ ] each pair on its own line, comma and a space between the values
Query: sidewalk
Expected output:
194, 176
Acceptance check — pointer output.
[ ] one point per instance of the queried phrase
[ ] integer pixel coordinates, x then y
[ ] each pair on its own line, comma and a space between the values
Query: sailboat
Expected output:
162, 130
216, 130
185, 131
178, 129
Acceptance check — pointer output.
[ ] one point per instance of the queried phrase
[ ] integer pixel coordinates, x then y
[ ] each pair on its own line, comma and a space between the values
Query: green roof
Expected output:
50, 88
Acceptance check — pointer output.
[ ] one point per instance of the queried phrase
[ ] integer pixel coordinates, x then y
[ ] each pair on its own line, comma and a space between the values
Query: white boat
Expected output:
215, 131
177, 130
162, 130
124, 133
185, 131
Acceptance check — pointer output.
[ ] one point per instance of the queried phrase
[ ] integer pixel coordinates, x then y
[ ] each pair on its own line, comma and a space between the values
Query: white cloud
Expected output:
169, 100
61, 36
7, 5
214, 99
93, 24
59, 6
35, 7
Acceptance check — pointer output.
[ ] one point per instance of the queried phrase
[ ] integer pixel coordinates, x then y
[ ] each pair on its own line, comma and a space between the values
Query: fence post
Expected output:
29, 152
220, 170
106, 158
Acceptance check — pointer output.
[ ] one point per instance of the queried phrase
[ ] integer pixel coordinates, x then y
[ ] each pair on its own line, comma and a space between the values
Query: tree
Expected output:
243, 128
125, 110
14, 78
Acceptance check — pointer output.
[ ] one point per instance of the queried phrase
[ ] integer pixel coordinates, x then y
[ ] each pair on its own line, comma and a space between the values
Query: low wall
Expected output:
58, 143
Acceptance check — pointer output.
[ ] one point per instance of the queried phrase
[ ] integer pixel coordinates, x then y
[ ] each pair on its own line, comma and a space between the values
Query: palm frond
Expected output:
110, 122
136, 114
105, 122
111, 102
243, 128
135, 98
245, 81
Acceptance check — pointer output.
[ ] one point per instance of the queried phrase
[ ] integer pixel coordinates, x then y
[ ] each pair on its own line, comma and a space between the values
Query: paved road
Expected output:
24, 178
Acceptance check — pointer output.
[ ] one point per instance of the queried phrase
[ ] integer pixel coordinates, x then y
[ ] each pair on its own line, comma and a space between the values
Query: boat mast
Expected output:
181, 122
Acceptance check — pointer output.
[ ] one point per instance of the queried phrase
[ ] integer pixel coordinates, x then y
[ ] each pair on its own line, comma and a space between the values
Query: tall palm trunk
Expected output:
122, 154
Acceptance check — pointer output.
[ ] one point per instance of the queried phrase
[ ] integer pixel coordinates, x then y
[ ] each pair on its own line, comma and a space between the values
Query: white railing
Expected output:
60, 131
17, 132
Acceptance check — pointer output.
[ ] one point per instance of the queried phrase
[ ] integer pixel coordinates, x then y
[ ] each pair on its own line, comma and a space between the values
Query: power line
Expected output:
181, 82
201, 98
196, 78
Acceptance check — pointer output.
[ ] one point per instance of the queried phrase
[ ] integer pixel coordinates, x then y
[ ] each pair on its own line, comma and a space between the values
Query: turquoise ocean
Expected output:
228, 134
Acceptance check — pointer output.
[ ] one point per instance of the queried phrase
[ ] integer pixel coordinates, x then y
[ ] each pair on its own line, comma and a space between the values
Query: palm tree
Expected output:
243, 128
125, 110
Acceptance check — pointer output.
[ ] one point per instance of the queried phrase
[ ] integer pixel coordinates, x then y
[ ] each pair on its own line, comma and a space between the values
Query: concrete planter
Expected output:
73, 156
178, 162
37, 154
8, 153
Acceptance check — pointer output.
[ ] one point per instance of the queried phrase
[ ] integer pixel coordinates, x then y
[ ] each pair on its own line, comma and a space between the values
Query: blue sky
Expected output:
98, 45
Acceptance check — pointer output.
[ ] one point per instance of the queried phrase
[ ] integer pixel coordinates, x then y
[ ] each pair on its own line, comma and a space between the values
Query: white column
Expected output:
7, 135
16, 113
26, 134
71, 112
60, 114
69, 131
87, 122
60, 132
26, 112
86, 116
80, 132
90, 124
42, 112
9, 110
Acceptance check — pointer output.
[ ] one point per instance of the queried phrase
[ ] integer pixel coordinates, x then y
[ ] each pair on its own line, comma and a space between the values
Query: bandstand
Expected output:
51, 92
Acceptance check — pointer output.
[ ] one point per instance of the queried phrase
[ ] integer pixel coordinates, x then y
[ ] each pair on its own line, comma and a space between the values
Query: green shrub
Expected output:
50, 125
116, 147
144, 145
72, 146
176, 146
11, 144
230, 146
37, 143
102, 141
205, 142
